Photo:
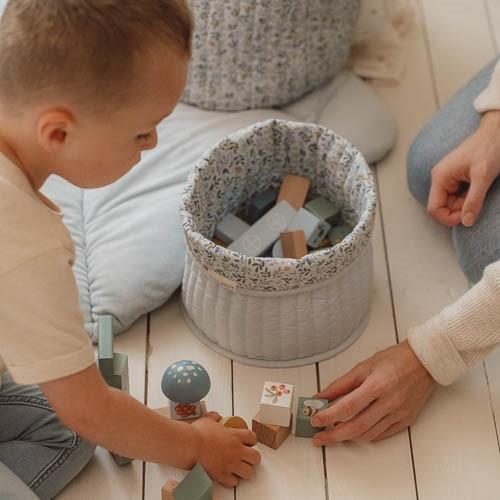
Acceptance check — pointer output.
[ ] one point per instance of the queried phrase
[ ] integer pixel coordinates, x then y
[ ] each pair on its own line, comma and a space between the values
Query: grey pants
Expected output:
38, 455
478, 246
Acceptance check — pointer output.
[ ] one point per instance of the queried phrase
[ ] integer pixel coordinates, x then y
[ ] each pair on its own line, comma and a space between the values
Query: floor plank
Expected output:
456, 427
451, 26
384, 469
102, 478
295, 470
170, 341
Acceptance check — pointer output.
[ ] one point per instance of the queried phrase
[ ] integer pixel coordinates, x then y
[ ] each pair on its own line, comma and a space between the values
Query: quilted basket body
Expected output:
262, 53
268, 311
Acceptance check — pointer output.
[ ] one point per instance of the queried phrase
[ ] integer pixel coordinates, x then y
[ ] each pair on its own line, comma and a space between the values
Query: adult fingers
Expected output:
474, 200
350, 405
380, 427
355, 427
392, 430
348, 382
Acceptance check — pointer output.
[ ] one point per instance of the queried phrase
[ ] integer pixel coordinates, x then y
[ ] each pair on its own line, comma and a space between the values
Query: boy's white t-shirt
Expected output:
41, 327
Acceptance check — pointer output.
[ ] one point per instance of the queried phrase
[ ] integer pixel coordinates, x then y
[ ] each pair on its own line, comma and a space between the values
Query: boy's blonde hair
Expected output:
85, 51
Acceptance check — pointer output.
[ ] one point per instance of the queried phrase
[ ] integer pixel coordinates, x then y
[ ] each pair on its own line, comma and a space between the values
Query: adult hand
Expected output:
382, 396
461, 180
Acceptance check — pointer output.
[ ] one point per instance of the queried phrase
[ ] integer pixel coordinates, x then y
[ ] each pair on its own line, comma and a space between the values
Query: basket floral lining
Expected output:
251, 161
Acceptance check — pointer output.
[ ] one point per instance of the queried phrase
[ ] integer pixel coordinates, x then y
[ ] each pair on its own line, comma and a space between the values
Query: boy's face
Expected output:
98, 152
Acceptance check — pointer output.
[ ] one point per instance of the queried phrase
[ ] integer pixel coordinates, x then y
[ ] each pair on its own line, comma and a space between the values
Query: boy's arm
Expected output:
118, 422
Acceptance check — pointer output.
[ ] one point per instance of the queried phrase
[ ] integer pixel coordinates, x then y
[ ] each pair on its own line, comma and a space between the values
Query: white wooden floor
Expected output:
452, 452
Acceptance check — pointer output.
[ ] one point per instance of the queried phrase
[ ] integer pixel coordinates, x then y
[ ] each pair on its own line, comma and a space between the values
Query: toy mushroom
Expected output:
185, 383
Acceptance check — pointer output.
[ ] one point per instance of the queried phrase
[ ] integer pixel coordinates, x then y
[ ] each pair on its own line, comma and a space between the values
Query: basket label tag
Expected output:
226, 283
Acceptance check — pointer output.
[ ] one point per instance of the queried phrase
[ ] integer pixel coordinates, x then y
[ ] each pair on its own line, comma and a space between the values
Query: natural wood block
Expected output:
294, 190
270, 435
219, 242
234, 422
168, 488
294, 244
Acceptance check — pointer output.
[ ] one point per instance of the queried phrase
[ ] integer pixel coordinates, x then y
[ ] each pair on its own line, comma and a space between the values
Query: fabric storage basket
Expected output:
262, 53
268, 311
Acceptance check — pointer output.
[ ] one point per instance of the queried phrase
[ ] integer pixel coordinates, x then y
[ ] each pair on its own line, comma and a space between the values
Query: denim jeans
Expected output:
479, 245
38, 455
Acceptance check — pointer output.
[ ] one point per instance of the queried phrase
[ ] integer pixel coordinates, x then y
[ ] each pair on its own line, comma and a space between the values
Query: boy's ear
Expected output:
53, 129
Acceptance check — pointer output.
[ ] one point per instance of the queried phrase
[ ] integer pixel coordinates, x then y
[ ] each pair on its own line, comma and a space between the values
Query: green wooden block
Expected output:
119, 379
324, 209
338, 233
306, 409
105, 346
195, 486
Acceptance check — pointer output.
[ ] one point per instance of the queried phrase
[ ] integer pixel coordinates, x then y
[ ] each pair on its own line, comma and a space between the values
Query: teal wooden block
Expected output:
121, 461
195, 486
105, 346
260, 205
338, 233
306, 409
324, 209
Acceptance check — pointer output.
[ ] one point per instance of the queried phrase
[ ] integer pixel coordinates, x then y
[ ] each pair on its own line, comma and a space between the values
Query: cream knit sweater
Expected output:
466, 331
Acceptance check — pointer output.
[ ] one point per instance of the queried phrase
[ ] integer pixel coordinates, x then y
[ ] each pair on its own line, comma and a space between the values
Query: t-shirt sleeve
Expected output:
41, 327
489, 98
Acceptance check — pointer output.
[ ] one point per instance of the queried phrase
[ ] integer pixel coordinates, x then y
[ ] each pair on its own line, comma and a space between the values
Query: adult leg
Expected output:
478, 246
34, 444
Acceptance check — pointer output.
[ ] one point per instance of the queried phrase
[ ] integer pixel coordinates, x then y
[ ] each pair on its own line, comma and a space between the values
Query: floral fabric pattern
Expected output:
257, 158
259, 53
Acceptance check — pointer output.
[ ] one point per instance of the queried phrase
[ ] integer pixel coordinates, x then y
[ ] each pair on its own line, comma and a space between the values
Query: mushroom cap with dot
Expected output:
185, 382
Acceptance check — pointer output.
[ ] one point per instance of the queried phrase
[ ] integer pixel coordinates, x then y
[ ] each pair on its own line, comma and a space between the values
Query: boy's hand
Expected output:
461, 180
382, 396
225, 453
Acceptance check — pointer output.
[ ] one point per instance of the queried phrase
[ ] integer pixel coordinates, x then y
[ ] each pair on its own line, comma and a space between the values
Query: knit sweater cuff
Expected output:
462, 333
436, 352
490, 97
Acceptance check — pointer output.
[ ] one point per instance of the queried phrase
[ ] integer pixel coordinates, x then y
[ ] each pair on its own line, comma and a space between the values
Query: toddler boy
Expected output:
83, 85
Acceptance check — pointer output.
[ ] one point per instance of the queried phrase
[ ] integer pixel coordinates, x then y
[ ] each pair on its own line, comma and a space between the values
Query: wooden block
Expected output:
121, 461
338, 233
260, 205
294, 190
270, 435
234, 422
230, 228
314, 230
105, 346
294, 244
167, 490
219, 242
265, 231
276, 404
188, 411
165, 412
306, 409
197, 485
324, 209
